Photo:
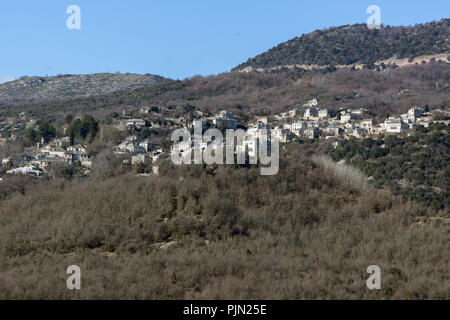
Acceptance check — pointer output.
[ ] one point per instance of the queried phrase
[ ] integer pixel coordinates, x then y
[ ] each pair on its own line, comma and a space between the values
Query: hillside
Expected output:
416, 167
354, 45
219, 233
390, 91
28, 89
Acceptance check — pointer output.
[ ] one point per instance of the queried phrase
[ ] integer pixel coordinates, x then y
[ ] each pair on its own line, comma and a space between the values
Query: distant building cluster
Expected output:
317, 122
140, 150
39, 160
307, 121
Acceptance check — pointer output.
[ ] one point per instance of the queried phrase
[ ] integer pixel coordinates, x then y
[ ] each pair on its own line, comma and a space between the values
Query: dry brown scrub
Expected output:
300, 234
376, 90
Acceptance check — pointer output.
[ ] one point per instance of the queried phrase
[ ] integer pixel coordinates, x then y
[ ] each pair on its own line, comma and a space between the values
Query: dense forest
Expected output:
348, 45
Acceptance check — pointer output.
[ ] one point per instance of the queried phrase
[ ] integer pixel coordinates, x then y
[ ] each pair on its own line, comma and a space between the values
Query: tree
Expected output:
69, 119
72, 137
31, 135
86, 128
90, 127
46, 131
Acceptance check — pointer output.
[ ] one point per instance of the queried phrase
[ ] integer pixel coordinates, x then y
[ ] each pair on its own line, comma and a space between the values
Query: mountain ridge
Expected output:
354, 45
35, 88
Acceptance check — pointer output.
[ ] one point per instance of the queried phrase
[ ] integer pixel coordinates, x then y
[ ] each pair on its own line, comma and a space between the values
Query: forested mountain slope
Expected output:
356, 44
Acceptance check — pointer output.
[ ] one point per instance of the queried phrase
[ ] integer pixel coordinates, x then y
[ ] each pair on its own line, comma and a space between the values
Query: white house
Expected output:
132, 124
311, 133
59, 153
79, 147
299, 126
48, 162
128, 146
28, 170
395, 126
140, 158
311, 103
332, 130
6, 161
414, 112
145, 110
225, 119
281, 134
323, 113
367, 124
148, 145
310, 113
347, 117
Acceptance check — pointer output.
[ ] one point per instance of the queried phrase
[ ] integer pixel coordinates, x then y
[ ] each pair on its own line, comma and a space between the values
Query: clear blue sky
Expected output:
173, 38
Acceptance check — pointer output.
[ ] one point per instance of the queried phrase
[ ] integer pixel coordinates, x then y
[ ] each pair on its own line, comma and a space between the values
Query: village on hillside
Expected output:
307, 122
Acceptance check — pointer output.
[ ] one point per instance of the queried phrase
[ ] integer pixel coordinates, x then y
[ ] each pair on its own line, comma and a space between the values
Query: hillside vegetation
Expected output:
220, 233
417, 166
258, 93
356, 44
